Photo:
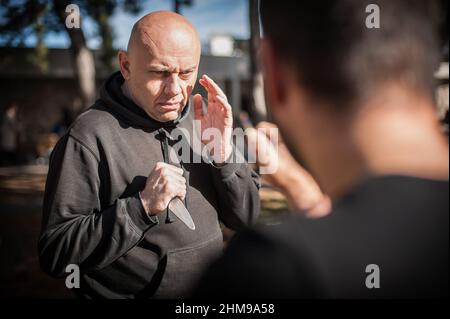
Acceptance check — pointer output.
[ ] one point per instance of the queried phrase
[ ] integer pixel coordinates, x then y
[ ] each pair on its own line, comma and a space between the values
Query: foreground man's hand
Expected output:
300, 188
164, 183
218, 116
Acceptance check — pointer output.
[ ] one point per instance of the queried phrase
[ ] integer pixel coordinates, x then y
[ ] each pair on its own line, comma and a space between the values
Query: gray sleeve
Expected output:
75, 228
237, 188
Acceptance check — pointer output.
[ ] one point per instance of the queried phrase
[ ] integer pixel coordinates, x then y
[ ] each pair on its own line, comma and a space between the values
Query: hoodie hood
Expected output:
111, 94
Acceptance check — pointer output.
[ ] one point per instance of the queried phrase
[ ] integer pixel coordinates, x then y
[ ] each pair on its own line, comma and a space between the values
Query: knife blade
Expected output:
178, 209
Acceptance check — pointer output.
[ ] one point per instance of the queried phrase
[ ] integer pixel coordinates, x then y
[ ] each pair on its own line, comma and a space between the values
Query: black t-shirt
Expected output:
390, 232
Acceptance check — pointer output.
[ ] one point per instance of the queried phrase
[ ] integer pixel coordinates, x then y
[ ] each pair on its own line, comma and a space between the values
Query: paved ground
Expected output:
21, 190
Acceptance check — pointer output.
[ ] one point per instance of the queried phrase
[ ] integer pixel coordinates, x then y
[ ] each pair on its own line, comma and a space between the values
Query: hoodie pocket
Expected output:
185, 266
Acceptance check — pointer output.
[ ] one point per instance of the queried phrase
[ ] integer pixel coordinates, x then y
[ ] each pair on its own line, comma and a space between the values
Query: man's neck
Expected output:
126, 91
394, 134
404, 140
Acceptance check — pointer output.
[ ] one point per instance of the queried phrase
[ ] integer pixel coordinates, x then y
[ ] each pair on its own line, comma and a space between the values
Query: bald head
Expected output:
163, 28
161, 64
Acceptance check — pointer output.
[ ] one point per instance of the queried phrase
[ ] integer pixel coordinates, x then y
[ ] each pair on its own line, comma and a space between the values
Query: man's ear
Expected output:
124, 64
274, 79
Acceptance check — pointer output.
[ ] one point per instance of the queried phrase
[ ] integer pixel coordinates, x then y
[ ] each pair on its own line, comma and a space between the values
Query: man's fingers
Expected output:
321, 209
266, 152
266, 127
252, 137
261, 145
212, 87
177, 189
224, 102
175, 179
181, 194
170, 167
172, 173
216, 88
252, 140
198, 106
207, 87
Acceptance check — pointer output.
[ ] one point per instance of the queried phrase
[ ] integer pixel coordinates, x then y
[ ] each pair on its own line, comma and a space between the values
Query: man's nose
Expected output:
172, 87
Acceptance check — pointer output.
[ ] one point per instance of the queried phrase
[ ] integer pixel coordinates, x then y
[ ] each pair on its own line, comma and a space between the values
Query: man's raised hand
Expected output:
218, 116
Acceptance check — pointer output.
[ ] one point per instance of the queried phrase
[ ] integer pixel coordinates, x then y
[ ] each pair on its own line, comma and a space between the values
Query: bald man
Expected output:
110, 184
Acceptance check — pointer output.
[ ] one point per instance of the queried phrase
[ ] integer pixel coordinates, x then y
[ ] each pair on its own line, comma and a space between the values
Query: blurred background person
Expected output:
66, 119
10, 130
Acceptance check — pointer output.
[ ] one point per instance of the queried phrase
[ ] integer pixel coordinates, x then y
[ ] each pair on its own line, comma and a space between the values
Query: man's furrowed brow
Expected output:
164, 68
158, 67
190, 68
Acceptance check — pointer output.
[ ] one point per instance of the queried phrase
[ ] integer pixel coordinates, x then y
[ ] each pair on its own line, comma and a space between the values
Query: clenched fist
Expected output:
164, 183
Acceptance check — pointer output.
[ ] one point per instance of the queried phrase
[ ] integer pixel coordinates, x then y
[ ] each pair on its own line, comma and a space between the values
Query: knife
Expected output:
178, 209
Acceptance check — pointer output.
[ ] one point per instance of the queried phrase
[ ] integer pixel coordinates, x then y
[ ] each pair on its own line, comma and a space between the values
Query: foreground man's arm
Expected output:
303, 193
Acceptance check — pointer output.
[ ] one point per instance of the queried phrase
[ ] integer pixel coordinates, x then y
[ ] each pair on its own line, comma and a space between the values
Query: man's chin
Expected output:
169, 116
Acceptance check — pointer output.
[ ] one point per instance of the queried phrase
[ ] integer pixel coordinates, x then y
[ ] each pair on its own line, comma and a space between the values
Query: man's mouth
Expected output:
169, 106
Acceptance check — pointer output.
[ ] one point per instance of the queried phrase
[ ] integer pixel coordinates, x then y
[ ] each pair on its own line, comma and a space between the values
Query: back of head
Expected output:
339, 59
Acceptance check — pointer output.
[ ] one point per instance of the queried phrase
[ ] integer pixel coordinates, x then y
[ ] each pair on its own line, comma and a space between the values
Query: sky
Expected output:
208, 16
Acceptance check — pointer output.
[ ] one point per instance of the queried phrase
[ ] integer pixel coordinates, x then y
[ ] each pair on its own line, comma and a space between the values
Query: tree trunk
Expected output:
257, 110
107, 52
82, 57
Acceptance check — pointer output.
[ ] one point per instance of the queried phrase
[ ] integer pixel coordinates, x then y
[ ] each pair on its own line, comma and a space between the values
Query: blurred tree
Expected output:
178, 3
444, 31
40, 56
21, 19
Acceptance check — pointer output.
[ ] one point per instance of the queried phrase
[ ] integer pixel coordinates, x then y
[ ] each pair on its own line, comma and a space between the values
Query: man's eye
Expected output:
186, 73
160, 73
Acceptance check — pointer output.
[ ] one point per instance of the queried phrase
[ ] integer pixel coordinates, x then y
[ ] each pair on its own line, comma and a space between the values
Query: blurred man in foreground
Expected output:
356, 106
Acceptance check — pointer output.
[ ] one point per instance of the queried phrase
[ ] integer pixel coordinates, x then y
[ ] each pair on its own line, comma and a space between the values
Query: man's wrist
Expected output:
144, 204
303, 194
143, 209
224, 156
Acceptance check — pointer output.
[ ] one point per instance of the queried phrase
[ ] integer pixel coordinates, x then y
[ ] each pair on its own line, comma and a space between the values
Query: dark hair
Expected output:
339, 59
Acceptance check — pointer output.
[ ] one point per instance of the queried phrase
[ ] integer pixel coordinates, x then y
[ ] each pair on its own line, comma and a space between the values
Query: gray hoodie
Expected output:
93, 218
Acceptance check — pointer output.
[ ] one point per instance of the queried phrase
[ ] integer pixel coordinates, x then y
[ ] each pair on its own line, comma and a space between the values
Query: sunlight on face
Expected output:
163, 72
